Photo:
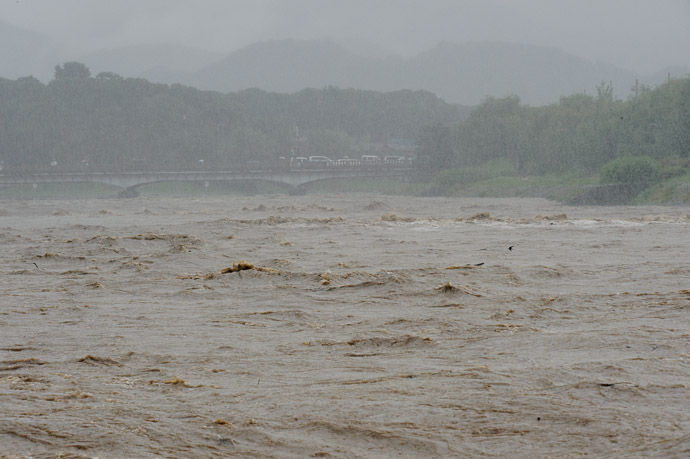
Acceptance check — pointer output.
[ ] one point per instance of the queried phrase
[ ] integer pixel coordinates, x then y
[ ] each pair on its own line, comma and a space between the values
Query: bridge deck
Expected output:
292, 177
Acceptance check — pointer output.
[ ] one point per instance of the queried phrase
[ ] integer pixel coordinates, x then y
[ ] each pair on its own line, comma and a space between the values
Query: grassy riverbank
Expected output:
672, 191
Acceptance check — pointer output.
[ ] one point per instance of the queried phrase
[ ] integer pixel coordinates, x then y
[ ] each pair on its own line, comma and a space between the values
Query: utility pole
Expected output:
297, 141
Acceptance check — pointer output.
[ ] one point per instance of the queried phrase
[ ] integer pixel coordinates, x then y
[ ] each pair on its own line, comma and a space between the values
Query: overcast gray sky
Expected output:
641, 35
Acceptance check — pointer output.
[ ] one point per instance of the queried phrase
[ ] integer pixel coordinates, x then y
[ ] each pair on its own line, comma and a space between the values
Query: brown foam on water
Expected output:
395, 341
92, 359
242, 265
393, 217
518, 355
10, 365
280, 220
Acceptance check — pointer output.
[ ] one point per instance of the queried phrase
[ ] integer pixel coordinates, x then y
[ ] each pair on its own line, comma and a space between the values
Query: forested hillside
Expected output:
642, 141
109, 123
579, 133
112, 123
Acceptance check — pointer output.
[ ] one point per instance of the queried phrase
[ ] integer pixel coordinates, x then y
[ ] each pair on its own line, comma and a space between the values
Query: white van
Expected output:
325, 160
394, 159
347, 161
370, 159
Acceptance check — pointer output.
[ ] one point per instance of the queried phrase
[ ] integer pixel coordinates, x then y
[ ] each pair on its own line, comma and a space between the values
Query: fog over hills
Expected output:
161, 62
288, 66
459, 73
23, 52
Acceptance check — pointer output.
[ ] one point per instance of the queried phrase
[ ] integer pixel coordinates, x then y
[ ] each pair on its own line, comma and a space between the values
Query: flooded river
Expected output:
343, 326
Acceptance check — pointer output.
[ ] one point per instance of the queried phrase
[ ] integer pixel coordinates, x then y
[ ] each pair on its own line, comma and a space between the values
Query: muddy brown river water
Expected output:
343, 326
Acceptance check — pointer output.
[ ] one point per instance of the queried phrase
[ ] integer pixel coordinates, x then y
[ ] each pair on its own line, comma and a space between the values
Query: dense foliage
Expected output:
113, 123
581, 132
631, 169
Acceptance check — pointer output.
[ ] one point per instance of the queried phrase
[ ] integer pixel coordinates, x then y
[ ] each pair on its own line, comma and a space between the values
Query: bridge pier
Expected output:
297, 181
297, 190
129, 192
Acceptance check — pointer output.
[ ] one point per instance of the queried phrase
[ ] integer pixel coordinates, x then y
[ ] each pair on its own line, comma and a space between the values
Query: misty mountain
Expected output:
288, 66
657, 78
364, 48
468, 72
164, 63
24, 53
457, 73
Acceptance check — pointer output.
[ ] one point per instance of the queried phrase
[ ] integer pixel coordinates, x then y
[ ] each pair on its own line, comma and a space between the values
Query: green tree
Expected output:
328, 142
436, 146
495, 129
641, 170
72, 71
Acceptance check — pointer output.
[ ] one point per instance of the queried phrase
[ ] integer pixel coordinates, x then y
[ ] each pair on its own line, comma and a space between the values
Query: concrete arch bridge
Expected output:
295, 179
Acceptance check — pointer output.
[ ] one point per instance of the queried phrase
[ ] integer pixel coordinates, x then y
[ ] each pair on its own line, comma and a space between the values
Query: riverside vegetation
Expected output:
500, 147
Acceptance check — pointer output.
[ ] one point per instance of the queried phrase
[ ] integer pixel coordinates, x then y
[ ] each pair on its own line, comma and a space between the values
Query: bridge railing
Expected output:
253, 166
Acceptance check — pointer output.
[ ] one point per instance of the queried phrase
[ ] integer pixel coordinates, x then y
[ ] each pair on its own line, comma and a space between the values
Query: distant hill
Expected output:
457, 73
24, 53
676, 71
163, 63
287, 66
467, 73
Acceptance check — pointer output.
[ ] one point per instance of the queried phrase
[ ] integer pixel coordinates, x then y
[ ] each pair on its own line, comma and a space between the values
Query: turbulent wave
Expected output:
344, 325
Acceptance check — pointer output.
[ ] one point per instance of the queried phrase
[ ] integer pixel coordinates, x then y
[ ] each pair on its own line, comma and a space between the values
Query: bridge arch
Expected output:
295, 180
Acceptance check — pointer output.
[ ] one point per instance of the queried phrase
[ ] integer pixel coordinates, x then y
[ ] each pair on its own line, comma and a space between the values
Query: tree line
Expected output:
112, 123
579, 134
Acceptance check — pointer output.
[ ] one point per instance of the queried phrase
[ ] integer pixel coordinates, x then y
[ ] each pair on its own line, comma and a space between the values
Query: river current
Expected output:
353, 325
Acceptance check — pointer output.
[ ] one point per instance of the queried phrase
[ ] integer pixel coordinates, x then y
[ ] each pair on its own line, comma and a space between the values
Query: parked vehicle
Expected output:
347, 161
297, 161
324, 160
395, 159
370, 159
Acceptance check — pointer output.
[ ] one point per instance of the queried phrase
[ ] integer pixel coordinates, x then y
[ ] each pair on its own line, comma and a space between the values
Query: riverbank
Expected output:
560, 188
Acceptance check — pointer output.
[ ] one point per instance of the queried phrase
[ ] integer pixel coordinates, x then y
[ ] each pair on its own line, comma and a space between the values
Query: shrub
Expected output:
631, 170
668, 172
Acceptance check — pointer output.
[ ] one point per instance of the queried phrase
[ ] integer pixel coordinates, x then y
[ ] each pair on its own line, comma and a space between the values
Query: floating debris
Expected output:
92, 359
149, 236
447, 288
480, 216
558, 217
242, 265
450, 288
177, 382
376, 205
77, 272
393, 217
